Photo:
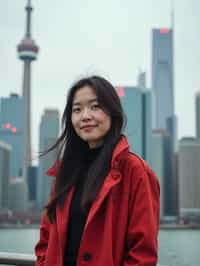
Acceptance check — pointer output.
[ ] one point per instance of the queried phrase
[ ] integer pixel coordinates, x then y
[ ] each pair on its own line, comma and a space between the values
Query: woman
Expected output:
104, 208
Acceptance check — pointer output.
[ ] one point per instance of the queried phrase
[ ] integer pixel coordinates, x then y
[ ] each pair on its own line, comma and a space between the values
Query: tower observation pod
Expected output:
27, 49
27, 52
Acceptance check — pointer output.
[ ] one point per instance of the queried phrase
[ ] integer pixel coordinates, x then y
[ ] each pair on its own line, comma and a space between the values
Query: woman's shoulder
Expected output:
133, 161
133, 165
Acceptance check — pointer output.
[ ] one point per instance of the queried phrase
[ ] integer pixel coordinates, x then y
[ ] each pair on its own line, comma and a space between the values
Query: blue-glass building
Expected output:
49, 130
137, 105
12, 130
162, 166
162, 76
5, 151
32, 182
163, 105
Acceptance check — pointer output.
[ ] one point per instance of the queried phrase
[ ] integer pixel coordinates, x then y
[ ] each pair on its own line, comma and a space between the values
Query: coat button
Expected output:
115, 176
87, 256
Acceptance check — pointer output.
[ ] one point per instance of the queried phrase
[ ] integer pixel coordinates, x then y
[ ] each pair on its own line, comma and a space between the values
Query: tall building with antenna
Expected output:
162, 75
163, 80
164, 118
27, 52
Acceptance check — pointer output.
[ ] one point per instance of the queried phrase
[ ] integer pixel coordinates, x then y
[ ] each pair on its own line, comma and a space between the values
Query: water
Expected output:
176, 247
179, 247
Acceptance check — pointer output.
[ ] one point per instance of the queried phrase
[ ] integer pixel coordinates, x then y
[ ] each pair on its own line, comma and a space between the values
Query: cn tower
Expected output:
27, 52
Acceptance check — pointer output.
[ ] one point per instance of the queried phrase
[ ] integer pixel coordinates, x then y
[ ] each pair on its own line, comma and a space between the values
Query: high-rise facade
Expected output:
162, 76
49, 130
162, 165
32, 183
12, 130
27, 51
5, 152
18, 200
147, 124
164, 117
136, 103
189, 179
158, 162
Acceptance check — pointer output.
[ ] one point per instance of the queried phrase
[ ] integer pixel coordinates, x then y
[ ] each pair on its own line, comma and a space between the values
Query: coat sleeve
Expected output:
142, 233
41, 246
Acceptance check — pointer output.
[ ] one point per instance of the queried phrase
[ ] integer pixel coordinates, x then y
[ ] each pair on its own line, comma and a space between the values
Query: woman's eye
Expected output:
95, 106
76, 110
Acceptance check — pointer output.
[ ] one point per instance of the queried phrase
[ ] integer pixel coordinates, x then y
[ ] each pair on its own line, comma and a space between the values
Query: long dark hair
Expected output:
72, 148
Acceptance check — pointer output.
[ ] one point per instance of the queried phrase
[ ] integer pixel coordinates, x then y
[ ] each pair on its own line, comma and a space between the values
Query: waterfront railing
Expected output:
20, 259
17, 259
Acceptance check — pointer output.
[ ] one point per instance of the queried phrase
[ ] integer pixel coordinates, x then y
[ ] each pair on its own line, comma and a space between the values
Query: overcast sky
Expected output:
107, 37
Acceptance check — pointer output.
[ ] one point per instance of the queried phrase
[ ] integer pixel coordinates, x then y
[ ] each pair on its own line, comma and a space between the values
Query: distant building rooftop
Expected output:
5, 145
14, 95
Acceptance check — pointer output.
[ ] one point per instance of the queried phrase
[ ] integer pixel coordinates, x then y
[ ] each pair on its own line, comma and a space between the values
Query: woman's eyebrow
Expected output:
90, 101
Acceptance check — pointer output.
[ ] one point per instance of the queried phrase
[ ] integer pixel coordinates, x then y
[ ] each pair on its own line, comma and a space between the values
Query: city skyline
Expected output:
70, 36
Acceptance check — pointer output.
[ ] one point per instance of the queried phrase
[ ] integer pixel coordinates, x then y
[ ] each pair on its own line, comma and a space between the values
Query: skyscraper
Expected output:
12, 130
5, 151
27, 51
18, 194
49, 130
162, 165
162, 76
137, 106
32, 183
189, 179
163, 108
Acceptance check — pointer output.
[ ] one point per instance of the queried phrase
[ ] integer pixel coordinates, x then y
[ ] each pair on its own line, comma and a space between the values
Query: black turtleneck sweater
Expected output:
77, 216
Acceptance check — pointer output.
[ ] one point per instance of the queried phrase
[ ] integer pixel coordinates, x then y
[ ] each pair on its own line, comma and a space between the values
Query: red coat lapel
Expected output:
111, 180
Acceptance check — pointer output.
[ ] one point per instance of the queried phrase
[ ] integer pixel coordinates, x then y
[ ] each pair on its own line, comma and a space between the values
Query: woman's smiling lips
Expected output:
88, 128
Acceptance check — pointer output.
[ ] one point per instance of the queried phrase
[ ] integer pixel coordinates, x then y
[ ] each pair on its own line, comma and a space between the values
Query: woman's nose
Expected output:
86, 114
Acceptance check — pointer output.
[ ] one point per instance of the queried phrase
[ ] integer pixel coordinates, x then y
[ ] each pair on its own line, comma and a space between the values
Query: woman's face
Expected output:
89, 120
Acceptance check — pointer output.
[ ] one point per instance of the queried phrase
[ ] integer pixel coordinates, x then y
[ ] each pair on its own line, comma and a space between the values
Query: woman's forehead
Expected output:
85, 94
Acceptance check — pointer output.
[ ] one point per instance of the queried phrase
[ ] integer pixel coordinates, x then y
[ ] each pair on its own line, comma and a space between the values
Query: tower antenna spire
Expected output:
28, 19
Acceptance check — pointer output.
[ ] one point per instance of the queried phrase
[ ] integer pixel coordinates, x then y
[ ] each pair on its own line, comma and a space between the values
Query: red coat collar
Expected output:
120, 148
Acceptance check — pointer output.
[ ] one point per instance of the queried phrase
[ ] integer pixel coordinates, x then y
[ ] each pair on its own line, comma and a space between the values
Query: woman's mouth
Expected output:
88, 128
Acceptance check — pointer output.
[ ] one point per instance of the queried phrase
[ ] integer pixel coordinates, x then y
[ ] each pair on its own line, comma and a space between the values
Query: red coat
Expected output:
122, 224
